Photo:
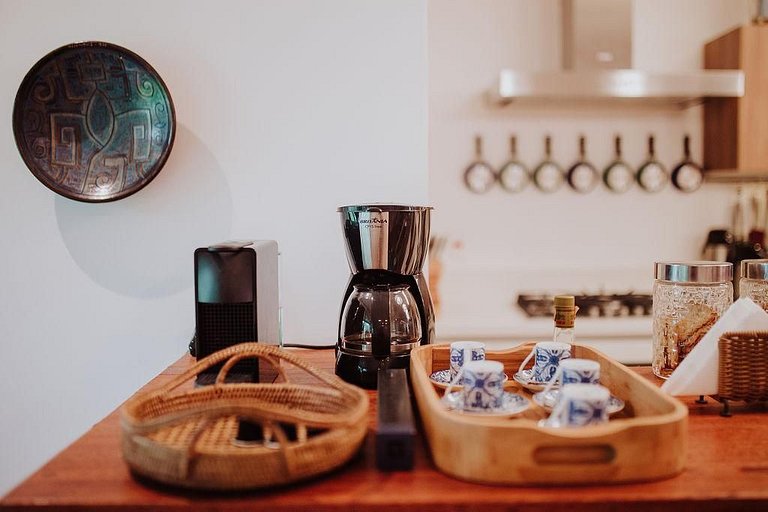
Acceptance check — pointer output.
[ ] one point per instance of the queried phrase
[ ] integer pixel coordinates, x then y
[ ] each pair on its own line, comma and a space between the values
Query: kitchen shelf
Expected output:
680, 90
735, 177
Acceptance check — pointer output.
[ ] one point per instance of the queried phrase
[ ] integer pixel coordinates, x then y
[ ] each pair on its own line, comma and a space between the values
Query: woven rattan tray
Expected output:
646, 441
186, 436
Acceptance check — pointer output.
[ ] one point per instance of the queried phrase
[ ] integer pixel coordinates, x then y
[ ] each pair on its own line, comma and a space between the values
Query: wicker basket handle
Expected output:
232, 361
243, 350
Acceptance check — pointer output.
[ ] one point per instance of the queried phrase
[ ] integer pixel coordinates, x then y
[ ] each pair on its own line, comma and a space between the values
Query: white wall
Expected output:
285, 110
562, 241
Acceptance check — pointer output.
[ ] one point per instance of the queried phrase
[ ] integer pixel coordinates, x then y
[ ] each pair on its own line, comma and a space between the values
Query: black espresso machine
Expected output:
387, 310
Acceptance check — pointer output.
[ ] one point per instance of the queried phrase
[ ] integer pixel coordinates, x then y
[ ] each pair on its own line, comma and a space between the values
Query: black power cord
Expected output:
312, 347
193, 346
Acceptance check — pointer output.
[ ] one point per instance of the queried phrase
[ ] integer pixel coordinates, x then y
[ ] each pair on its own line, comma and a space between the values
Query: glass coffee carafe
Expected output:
381, 321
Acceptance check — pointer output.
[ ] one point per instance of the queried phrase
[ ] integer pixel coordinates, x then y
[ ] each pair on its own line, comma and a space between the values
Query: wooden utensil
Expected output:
756, 230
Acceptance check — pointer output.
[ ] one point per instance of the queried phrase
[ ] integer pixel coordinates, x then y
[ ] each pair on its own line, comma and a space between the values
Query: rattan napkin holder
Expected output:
186, 436
742, 368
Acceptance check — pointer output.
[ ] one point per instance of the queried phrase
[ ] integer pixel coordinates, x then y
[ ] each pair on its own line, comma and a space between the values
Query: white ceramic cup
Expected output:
546, 358
465, 351
579, 405
482, 385
575, 371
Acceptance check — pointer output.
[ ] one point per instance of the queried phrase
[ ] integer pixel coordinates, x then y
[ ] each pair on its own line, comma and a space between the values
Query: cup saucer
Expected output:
511, 404
442, 378
523, 377
547, 424
546, 400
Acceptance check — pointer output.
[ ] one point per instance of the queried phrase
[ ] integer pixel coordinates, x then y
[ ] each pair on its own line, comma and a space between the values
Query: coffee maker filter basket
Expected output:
386, 237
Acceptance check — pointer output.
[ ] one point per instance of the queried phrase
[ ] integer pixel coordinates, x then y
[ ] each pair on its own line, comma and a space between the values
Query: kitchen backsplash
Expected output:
563, 241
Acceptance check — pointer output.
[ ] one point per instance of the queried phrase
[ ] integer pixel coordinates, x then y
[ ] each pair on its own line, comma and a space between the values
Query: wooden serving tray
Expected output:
646, 441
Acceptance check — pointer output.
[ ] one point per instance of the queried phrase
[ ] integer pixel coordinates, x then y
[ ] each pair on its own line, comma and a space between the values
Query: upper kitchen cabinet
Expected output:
736, 129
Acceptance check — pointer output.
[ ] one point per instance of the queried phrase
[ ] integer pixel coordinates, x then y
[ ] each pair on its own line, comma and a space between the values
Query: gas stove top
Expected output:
600, 305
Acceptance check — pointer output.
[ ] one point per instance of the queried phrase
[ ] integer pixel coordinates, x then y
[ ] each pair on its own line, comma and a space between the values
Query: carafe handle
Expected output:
380, 338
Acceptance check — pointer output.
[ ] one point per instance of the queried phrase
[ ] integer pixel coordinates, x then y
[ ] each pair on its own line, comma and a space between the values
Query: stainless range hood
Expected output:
597, 65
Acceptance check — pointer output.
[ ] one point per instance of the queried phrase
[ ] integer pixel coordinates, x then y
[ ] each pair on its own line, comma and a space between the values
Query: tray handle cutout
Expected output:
572, 464
570, 455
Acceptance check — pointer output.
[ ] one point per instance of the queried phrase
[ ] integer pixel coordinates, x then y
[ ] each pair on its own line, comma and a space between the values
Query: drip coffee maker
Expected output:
386, 310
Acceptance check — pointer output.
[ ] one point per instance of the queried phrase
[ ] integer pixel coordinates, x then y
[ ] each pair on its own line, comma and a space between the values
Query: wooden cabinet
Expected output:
736, 129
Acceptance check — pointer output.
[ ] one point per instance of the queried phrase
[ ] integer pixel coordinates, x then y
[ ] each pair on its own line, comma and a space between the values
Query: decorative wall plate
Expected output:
93, 121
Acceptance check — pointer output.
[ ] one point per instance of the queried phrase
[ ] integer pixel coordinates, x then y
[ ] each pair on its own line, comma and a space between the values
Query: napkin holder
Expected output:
742, 368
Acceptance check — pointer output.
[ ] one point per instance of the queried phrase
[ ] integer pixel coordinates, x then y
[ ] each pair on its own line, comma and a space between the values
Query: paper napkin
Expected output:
697, 374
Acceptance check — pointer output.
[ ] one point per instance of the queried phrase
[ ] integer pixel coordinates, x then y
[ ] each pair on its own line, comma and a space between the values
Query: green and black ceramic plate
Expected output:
94, 122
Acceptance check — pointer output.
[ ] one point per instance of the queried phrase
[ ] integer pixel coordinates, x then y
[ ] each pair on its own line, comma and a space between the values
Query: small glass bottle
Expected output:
565, 316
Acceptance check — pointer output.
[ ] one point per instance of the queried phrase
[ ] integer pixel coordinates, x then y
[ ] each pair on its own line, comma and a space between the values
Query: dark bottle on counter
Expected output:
718, 245
748, 238
565, 317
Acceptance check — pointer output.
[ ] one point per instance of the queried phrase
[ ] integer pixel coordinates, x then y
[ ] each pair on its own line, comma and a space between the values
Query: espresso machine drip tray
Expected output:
592, 305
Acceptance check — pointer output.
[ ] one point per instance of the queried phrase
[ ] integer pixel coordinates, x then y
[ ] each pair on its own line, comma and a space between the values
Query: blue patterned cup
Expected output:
546, 359
579, 405
579, 371
465, 351
483, 385
575, 371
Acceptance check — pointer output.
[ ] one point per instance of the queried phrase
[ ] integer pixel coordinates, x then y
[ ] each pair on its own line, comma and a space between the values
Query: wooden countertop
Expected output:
727, 469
